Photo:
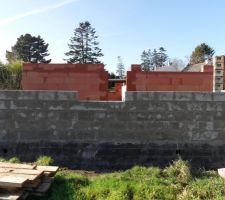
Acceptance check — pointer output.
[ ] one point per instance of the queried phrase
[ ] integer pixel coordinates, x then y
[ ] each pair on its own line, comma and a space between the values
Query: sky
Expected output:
125, 27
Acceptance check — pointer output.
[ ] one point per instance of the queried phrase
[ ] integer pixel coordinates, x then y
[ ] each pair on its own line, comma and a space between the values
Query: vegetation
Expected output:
2, 159
120, 71
45, 160
84, 46
139, 183
153, 59
201, 53
11, 75
29, 48
111, 75
14, 160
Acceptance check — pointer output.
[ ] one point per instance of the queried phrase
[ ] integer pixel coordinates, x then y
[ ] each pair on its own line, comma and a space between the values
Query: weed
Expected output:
14, 160
45, 160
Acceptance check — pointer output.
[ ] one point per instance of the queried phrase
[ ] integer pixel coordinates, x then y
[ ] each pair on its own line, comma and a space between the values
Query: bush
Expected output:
14, 160
179, 172
11, 75
2, 159
45, 160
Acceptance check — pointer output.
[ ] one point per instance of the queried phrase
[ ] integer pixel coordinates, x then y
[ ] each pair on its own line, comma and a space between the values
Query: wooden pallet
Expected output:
221, 172
17, 181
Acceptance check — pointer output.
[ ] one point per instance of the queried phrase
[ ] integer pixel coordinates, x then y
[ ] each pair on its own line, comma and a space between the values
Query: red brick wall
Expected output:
117, 94
138, 80
91, 81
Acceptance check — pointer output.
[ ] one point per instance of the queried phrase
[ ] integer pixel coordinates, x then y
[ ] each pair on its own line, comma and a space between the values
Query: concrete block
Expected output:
165, 96
183, 96
218, 96
8, 94
145, 96
47, 95
129, 96
4, 104
27, 95
206, 96
63, 95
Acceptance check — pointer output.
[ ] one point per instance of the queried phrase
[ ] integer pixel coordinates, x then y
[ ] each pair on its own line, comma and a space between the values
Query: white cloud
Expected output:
13, 19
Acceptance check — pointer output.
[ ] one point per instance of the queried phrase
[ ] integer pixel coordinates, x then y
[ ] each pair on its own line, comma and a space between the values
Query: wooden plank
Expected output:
11, 195
30, 186
21, 171
53, 169
18, 166
43, 188
221, 172
16, 180
29, 177
12, 181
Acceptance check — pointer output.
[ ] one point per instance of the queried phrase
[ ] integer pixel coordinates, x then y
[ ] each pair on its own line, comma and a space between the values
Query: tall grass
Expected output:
139, 183
11, 75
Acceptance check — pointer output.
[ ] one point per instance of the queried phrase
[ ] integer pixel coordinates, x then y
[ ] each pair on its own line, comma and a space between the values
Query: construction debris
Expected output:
18, 181
221, 172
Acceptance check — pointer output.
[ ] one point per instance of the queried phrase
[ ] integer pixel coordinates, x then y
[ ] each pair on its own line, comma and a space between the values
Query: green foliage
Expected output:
153, 59
11, 75
16, 66
111, 75
201, 53
84, 46
14, 160
139, 183
45, 160
179, 171
29, 48
120, 68
2, 159
210, 187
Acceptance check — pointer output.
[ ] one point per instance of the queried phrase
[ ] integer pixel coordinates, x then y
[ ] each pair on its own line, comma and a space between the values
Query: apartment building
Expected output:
218, 74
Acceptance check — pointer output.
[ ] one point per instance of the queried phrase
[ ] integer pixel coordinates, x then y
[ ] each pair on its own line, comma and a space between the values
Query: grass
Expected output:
139, 183
45, 160
14, 160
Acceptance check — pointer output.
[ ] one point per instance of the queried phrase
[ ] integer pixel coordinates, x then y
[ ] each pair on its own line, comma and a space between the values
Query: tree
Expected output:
120, 67
201, 53
146, 61
29, 48
112, 76
162, 57
83, 45
153, 59
178, 64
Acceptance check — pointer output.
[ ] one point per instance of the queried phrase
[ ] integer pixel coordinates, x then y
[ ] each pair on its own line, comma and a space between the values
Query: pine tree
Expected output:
83, 45
201, 53
162, 57
29, 48
155, 58
146, 61
120, 68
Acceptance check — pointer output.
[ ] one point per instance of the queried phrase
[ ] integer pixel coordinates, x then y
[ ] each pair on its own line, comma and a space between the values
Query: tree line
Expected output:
84, 49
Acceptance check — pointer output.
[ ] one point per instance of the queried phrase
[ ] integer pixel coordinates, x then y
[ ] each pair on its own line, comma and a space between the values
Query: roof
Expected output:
167, 69
194, 68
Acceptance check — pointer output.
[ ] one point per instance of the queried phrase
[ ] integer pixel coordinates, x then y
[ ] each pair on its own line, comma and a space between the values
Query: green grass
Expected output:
139, 183
45, 160
14, 160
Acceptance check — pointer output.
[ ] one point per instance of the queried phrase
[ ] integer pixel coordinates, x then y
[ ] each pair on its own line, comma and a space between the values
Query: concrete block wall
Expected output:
149, 128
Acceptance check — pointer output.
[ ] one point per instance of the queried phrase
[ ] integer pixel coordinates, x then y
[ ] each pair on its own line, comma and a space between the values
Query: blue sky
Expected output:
125, 27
